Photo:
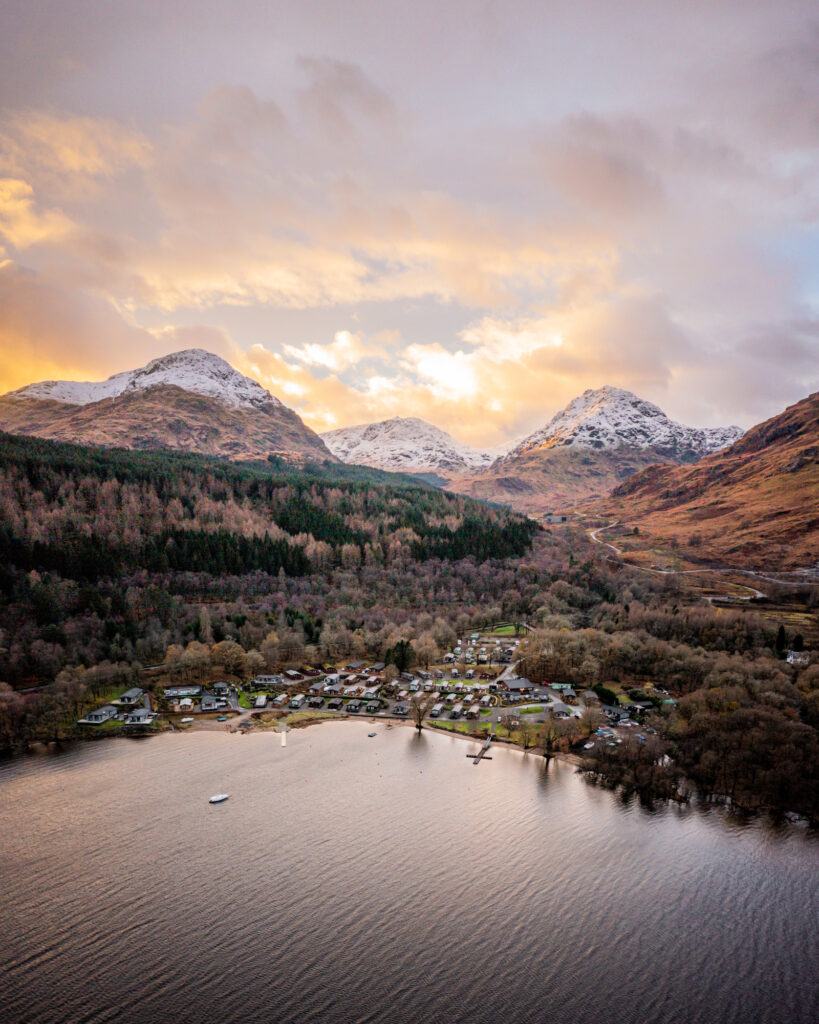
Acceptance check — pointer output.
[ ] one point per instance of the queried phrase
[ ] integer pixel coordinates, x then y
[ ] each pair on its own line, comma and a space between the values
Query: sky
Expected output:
467, 212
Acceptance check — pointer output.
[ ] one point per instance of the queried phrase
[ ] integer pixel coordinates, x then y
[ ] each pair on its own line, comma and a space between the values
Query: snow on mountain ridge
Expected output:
404, 444
193, 369
609, 417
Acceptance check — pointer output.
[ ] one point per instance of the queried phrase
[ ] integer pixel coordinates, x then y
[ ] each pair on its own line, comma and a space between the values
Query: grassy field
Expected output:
501, 631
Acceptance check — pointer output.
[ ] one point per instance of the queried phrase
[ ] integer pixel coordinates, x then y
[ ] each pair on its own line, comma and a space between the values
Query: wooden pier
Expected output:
482, 753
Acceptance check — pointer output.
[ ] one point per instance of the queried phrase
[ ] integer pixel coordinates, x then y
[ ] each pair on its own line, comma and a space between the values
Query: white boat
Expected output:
219, 798
185, 720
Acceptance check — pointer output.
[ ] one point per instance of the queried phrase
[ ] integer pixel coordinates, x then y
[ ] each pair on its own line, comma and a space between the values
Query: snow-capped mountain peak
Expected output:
193, 369
609, 417
405, 444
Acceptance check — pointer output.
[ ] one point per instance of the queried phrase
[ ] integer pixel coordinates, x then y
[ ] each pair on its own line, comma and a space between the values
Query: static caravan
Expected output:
297, 701
456, 711
436, 711
474, 711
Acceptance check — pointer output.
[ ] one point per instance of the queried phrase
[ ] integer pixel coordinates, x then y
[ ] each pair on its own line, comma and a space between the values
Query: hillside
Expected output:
553, 479
754, 504
91, 513
191, 400
599, 440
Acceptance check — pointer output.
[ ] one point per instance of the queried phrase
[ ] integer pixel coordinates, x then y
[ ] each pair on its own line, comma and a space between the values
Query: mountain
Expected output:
599, 439
611, 417
191, 400
405, 444
753, 504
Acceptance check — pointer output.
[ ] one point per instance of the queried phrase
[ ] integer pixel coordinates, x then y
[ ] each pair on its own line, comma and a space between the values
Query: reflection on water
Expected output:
386, 879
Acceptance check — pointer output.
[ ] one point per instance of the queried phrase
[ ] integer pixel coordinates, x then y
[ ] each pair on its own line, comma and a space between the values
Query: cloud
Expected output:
344, 350
555, 202
78, 146
22, 224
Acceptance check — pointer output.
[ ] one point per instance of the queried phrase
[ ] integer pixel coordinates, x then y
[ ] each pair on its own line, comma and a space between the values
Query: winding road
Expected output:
754, 592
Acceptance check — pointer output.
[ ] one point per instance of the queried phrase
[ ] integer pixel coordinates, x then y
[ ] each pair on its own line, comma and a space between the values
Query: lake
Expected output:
351, 879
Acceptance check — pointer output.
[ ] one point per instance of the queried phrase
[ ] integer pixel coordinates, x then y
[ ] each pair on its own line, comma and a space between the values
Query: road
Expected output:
753, 591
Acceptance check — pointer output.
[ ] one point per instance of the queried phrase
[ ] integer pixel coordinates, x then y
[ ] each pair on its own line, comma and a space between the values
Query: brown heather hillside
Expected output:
754, 504
554, 479
168, 417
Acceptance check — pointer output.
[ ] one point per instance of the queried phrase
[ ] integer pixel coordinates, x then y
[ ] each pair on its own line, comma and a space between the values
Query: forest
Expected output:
113, 563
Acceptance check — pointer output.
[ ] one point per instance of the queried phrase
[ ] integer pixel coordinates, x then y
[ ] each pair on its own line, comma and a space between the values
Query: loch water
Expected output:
356, 879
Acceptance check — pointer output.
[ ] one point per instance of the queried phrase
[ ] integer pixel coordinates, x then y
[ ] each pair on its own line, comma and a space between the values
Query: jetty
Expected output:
482, 753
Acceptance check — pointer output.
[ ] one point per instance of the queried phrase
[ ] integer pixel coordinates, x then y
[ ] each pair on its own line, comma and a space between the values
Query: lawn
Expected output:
533, 710
502, 631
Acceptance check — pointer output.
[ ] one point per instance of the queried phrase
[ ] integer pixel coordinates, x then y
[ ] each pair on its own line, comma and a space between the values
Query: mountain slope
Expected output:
600, 439
404, 444
756, 503
190, 400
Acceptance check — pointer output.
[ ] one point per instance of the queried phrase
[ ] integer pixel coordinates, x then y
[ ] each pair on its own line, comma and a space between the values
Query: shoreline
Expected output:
244, 725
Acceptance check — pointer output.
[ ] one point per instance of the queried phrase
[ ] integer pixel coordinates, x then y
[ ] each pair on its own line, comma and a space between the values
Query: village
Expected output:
474, 686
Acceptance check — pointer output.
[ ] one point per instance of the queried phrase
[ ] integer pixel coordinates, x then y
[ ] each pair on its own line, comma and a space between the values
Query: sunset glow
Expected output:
367, 240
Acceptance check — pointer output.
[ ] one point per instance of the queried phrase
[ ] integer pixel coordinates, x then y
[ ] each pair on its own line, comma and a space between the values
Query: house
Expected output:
333, 689
518, 685
183, 691
614, 714
379, 666
260, 702
130, 697
317, 686
356, 666
185, 704
263, 682
140, 716
221, 689
371, 693
293, 675
590, 697
798, 658
552, 518
209, 703
315, 701
100, 715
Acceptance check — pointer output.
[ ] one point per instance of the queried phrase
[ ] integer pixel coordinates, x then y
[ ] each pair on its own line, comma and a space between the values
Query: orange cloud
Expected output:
22, 224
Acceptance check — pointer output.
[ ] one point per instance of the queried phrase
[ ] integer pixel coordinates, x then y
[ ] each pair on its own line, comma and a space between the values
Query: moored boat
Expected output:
219, 798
